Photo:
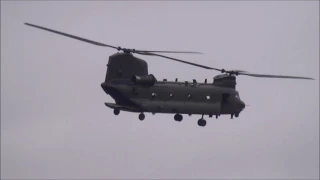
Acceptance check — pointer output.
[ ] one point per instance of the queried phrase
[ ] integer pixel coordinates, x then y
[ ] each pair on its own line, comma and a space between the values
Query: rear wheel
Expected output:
202, 122
116, 111
141, 116
178, 117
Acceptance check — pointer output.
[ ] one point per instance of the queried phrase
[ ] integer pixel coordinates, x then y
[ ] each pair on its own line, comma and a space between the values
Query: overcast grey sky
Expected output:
54, 123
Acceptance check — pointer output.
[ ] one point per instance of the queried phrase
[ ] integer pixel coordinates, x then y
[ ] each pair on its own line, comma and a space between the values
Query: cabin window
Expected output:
171, 95
153, 95
208, 97
189, 96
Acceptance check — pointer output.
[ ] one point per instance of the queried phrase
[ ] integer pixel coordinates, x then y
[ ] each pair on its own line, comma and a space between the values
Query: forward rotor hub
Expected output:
125, 50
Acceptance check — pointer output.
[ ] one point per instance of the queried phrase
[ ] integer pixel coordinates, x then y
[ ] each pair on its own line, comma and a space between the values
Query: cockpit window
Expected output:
237, 96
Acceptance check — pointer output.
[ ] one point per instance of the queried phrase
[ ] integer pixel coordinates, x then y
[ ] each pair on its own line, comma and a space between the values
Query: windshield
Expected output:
237, 95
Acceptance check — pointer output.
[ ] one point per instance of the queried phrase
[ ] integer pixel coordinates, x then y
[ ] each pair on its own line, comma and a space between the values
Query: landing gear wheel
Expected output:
116, 111
236, 115
202, 122
141, 116
178, 117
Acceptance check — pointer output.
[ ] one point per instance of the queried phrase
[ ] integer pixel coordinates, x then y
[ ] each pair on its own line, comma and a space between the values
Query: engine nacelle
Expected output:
225, 80
149, 80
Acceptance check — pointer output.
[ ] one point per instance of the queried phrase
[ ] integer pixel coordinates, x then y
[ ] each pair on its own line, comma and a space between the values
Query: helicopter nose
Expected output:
104, 87
242, 104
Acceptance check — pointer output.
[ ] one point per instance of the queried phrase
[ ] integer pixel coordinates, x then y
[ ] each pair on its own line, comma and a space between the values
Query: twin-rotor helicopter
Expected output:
133, 89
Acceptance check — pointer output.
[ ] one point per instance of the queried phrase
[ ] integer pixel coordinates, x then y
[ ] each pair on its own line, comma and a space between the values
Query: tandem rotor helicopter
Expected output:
129, 83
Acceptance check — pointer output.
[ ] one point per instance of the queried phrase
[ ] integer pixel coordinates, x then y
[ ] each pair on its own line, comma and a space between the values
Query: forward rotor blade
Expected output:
71, 36
274, 76
186, 62
102, 44
183, 52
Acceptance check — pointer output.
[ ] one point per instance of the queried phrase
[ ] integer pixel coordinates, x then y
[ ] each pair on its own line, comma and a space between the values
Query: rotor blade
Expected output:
236, 70
101, 44
186, 62
71, 36
274, 76
183, 52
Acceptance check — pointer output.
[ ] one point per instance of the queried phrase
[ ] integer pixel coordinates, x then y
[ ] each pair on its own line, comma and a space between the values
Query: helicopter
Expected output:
133, 89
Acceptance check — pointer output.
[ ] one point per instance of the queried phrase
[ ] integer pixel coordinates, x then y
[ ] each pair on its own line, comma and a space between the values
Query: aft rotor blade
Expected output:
274, 76
183, 52
71, 36
186, 62
235, 70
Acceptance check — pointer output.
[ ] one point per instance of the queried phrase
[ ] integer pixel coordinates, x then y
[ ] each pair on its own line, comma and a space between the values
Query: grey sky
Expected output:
54, 123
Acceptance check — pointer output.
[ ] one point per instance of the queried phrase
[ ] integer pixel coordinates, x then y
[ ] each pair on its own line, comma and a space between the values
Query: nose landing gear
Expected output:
235, 115
202, 122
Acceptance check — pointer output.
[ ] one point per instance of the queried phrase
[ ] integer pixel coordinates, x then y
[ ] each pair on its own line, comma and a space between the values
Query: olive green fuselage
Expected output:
175, 97
133, 89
